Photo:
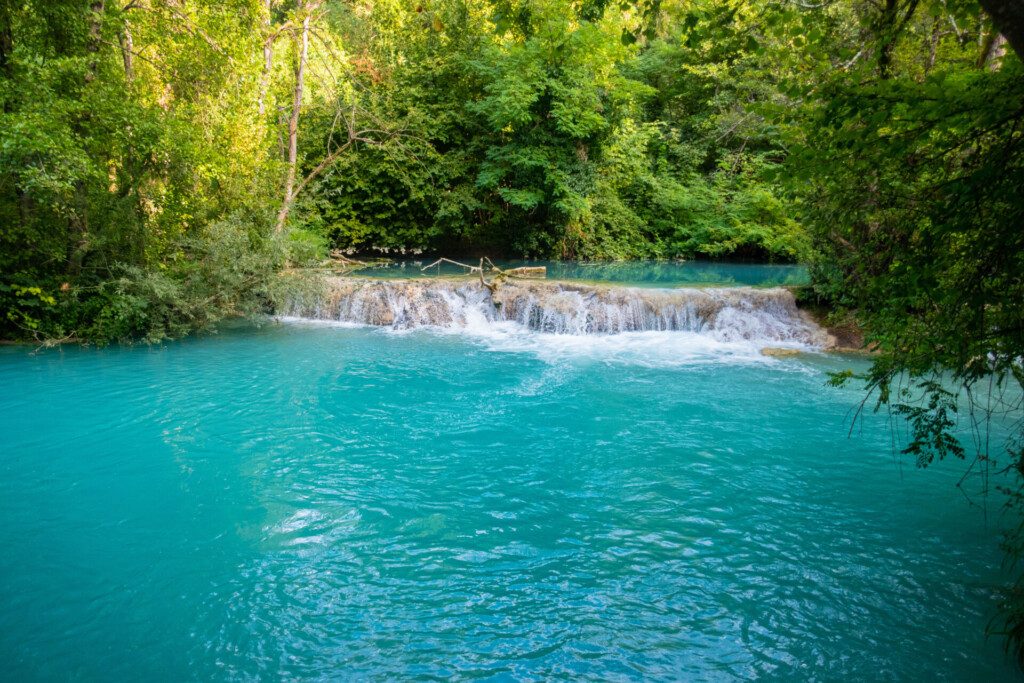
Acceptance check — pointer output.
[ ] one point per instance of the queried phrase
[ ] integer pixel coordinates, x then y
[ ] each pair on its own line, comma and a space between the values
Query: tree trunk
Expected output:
933, 46
127, 53
6, 48
888, 28
1008, 17
78, 223
293, 123
95, 36
268, 56
268, 63
992, 50
6, 39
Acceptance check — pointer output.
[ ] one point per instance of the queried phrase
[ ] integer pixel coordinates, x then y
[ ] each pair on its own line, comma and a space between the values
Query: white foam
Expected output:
557, 320
650, 348
317, 322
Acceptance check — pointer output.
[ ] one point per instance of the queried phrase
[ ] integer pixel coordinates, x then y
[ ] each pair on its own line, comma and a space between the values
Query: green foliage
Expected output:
117, 180
907, 154
224, 270
932, 425
305, 248
25, 306
532, 129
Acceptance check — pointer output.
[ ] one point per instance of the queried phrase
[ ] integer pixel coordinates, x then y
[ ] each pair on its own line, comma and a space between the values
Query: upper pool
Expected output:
635, 273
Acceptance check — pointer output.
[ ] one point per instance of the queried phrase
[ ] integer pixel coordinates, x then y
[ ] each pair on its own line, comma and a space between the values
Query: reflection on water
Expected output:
636, 273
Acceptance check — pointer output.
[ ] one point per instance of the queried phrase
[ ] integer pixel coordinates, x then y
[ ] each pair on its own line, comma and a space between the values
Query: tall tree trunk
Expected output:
888, 27
1008, 17
95, 37
78, 223
130, 173
6, 47
268, 56
933, 46
6, 39
993, 48
886, 30
127, 52
293, 122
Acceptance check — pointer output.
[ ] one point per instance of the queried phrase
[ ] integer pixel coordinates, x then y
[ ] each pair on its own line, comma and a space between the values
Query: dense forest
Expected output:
163, 162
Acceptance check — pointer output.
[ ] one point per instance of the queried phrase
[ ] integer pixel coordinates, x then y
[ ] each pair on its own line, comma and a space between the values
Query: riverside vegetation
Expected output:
162, 162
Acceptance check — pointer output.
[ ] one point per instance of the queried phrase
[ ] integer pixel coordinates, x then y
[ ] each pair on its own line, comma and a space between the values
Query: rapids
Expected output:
763, 316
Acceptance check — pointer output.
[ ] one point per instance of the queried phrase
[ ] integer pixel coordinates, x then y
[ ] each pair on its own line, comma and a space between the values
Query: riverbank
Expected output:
631, 297
847, 333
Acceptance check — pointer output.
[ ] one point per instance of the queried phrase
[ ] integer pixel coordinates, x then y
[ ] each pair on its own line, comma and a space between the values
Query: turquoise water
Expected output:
320, 502
634, 273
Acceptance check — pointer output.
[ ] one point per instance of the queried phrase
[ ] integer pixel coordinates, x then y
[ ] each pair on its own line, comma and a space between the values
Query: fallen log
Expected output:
538, 272
338, 255
486, 264
439, 261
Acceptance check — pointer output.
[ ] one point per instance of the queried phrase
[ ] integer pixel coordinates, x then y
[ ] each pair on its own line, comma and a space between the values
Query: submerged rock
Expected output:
779, 352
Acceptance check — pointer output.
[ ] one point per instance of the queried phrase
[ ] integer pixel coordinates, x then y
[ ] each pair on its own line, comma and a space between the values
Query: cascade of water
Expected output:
727, 314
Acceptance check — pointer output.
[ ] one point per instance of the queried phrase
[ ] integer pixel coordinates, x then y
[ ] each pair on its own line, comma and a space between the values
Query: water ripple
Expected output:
297, 503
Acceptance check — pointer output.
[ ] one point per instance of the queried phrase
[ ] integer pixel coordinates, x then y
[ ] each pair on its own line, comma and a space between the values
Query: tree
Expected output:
121, 159
305, 13
1008, 16
912, 174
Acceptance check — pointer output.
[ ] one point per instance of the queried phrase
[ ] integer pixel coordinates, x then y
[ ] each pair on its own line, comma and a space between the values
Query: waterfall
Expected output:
764, 316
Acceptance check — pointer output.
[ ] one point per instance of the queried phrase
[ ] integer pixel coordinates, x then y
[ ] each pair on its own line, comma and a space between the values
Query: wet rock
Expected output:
776, 352
726, 314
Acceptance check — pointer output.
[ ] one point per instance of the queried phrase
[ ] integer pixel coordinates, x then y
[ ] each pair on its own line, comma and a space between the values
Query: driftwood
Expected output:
337, 263
500, 275
492, 286
538, 272
338, 255
439, 261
